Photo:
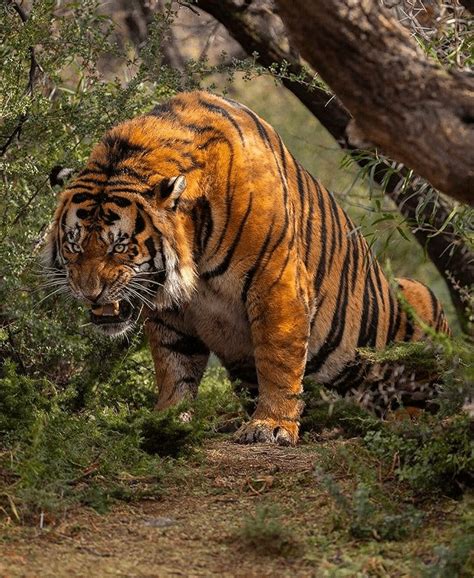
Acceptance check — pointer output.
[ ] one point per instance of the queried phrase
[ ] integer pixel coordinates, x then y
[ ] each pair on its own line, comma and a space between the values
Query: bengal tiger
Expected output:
198, 220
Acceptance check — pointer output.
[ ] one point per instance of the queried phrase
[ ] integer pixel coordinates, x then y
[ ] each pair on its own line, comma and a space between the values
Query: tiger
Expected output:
197, 220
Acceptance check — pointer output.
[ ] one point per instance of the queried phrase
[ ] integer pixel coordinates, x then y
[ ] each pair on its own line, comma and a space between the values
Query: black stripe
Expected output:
82, 197
365, 331
84, 213
394, 318
283, 267
338, 323
223, 112
252, 271
150, 245
155, 318
333, 228
373, 320
261, 129
112, 171
75, 186
354, 240
337, 221
119, 190
139, 224
229, 197
434, 304
309, 220
222, 268
409, 328
162, 109
119, 201
186, 345
195, 164
350, 376
321, 269
214, 139
203, 224
301, 191
90, 180
120, 149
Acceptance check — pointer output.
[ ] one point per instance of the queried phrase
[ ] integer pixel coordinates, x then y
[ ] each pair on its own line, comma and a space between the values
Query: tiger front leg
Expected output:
179, 357
280, 330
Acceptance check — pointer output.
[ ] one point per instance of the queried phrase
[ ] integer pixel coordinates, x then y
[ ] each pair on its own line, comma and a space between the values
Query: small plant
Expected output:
455, 560
366, 521
266, 533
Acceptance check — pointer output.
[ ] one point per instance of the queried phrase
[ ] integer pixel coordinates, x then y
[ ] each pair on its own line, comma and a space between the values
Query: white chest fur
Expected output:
221, 322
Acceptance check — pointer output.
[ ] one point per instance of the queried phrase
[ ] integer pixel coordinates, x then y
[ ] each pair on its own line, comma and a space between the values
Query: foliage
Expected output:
433, 456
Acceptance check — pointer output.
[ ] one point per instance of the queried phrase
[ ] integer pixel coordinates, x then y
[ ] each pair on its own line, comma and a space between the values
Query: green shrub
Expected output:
434, 455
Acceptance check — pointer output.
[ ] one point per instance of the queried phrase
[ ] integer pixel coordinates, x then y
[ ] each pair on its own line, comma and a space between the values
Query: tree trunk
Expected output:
260, 32
415, 111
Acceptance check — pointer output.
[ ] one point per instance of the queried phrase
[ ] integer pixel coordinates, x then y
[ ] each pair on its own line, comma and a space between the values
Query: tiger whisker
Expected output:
139, 287
61, 289
149, 281
142, 298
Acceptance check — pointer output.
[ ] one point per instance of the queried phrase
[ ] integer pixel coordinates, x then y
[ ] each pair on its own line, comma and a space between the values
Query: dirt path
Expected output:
195, 527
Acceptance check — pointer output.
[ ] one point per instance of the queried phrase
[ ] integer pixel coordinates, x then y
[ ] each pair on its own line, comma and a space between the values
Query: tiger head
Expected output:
118, 240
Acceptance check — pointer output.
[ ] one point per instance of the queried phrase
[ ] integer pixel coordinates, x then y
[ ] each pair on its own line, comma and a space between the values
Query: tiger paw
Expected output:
267, 431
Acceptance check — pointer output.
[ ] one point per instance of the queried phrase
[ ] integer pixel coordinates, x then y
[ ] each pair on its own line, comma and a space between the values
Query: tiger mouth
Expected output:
115, 312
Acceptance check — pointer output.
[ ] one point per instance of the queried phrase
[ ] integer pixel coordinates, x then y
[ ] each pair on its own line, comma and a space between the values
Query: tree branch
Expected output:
262, 33
418, 113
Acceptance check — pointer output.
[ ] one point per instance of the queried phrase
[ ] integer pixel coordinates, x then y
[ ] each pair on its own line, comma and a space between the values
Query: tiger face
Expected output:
116, 251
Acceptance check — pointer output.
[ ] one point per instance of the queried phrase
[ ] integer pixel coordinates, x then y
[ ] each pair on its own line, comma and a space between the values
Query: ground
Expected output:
199, 526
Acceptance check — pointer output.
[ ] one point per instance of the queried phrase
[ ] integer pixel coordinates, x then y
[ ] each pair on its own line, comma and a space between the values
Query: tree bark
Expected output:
415, 111
260, 32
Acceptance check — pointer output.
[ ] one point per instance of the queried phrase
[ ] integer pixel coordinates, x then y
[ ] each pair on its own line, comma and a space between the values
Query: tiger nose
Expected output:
93, 296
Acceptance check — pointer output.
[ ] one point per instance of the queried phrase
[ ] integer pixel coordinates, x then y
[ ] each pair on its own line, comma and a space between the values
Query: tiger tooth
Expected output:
110, 309
107, 309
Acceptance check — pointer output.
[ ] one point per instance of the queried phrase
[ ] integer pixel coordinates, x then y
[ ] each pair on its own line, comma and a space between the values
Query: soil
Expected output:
195, 527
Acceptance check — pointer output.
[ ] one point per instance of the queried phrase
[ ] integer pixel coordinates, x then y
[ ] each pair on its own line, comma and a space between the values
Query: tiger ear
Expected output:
169, 190
59, 175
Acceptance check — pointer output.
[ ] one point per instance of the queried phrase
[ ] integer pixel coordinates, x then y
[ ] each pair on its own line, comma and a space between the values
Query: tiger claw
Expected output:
262, 431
